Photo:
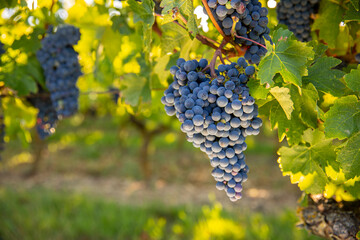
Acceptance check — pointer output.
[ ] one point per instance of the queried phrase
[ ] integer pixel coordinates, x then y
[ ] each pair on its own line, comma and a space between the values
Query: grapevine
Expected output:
303, 74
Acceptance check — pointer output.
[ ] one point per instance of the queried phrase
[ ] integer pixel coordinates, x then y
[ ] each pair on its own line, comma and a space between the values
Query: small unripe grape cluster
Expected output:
216, 115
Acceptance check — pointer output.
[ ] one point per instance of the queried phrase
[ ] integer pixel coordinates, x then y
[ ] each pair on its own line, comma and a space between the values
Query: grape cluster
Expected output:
296, 14
2, 50
115, 94
61, 67
47, 117
250, 22
216, 115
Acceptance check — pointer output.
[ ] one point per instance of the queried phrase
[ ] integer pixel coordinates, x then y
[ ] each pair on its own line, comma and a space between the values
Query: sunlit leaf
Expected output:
287, 57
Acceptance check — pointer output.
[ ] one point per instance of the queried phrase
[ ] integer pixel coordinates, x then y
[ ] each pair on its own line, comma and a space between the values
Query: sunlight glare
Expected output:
271, 4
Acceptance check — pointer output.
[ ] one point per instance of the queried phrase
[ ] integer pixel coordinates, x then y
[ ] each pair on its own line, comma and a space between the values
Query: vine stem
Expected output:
181, 17
216, 55
52, 5
212, 18
249, 40
207, 41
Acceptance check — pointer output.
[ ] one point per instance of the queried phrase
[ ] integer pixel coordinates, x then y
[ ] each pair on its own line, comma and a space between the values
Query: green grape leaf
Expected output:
287, 57
120, 24
136, 89
292, 129
282, 95
354, 190
308, 102
318, 48
352, 14
22, 78
324, 78
256, 90
356, 4
186, 8
160, 69
343, 118
144, 12
173, 37
11, 3
352, 79
108, 38
18, 119
349, 157
330, 16
29, 43
309, 160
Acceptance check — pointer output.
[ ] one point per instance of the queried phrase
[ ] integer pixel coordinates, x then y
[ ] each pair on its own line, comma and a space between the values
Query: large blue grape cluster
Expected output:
61, 67
216, 115
252, 24
47, 117
296, 14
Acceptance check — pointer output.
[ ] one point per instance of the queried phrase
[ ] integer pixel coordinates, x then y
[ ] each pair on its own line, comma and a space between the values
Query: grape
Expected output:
236, 105
221, 11
255, 16
357, 57
212, 3
249, 70
216, 115
61, 69
222, 101
227, 22
296, 16
180, 61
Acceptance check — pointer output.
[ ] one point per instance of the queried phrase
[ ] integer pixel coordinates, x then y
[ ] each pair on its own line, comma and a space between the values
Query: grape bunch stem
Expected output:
217, 54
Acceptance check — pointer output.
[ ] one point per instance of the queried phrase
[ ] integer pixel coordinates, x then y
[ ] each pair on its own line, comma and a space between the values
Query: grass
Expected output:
39, 214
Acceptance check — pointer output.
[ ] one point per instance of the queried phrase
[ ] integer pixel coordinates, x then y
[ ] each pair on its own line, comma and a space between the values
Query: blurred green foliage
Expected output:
40, 214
